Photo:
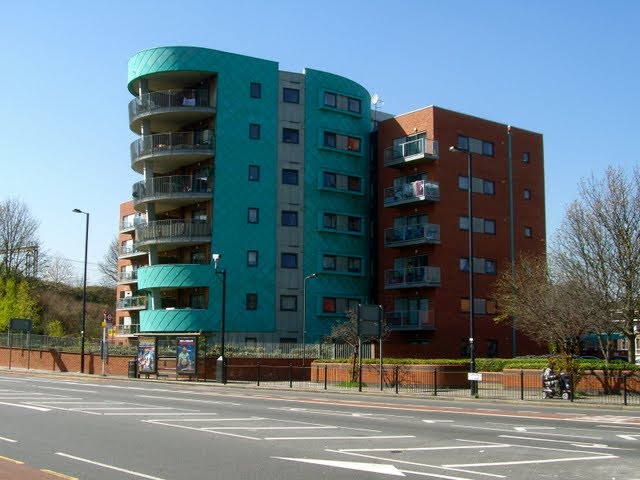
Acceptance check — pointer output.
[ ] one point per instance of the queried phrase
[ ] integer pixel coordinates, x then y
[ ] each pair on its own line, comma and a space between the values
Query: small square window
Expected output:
490, 227
254, 131
354, 184
354, 264
463, 223
252, 258
290, 135
464, 264
487, 149
289, 176
355, 224
525, 157
329, 262
252, 215
256, 90
289, 218
330, 221
354, 105
288, 303
329, 305
528, 232
290, 95
289, 260
330, 140
527, 194
488, 187
254, 173
329, 179
463, 182
330, 99
353, 144
463, 143
490, 266
252, 301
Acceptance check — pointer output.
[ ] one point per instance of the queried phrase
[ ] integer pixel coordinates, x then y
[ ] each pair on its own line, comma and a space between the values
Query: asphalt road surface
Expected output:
56, 426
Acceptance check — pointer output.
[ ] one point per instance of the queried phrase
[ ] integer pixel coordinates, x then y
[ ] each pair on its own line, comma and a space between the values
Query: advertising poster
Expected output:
186, 355
147, 349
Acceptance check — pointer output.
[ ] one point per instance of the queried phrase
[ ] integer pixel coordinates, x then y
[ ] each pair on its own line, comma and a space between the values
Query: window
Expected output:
525, 157
330, 140
289, 176
480, 225
199, 216
528, 232
288, 303
355, 264
254, 131
475, 145
355, 224
354, 144
480, 265
329, 179
289, 260
354, 184
527, 194
252, 215
490, 226
330, 99
254, 173
463, 182
252, 301
198, 258
479, 185
196, 301
492, 348
290, 95
488, 187
255, 90
463, 223
354, 105
289, 218
290, 135
329, 262
252, 258
480, 306
487, 149
330, 221
329, 305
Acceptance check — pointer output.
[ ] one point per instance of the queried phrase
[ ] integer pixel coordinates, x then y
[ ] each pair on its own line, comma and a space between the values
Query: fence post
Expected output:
258, 373
395, 377
521, 384
571, 387
624, 388
325, 376
435, 382
290, 375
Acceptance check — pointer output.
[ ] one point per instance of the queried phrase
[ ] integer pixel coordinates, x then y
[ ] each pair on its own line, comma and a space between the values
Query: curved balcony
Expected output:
170, 192
175, 276
412, 277
169, 151
177, 320
408, 320
412, 235
416, 151
168, 109
418, 191
166, 234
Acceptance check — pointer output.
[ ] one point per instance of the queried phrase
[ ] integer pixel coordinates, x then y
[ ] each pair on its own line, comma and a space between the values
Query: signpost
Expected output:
369, 326
20, 325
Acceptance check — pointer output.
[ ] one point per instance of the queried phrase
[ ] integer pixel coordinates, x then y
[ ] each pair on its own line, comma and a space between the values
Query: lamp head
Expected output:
76, 210
215, 257
454, 149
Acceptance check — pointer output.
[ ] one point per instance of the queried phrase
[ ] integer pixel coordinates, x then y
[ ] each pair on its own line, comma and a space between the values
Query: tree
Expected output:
58, 269
549, 309
17, 301
19, 244
598, 247
109, 264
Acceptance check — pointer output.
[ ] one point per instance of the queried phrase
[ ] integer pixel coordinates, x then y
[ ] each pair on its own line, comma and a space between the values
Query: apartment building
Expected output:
266, 168
423, 226
311, 213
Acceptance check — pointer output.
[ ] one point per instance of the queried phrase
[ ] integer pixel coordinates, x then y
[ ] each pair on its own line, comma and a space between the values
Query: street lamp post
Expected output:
84, 288
304, 316
472, 349
221, 372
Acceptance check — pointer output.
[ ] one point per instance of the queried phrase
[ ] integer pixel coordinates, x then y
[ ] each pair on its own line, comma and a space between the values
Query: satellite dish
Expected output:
375, 98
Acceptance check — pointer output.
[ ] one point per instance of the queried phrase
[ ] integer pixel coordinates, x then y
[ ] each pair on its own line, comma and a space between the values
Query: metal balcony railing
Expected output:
126, 329
129, 250
412, 277
419, 149
412, 234
169, 186
127, 303
172, 230
417, 191
410, 320
128, 276
169, 100
130, 224
172, 143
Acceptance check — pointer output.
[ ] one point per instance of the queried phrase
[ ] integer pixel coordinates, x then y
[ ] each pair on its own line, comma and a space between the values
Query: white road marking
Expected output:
363, 467
371, 437
148, 413
31, 407
206, 430
183, 399
628, 437
526, 429
529, 462
251, 429
437, 421
572, 443
5, 439
111, 467
412, 449
68, 389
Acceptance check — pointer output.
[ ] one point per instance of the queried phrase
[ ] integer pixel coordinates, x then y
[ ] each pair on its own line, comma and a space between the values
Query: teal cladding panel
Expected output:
177, 320
175, 276
319, 118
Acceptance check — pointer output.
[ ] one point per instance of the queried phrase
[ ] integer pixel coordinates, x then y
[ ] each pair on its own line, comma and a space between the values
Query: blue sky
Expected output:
568, 70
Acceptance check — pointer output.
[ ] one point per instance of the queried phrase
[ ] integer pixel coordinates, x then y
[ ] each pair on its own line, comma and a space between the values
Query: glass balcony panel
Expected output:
410, 320
132, 303
169, 100
415, 150
173, 231
412, 277
412, 235
418, 191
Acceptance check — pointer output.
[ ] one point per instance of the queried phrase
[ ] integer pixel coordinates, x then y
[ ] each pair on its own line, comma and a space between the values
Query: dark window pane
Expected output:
254, 173
289, 218
289, 177
254, 131
256, 90
290, 135
289, 260
290, 95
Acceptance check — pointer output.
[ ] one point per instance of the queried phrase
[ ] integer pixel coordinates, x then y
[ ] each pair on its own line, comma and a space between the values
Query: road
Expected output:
101, 428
